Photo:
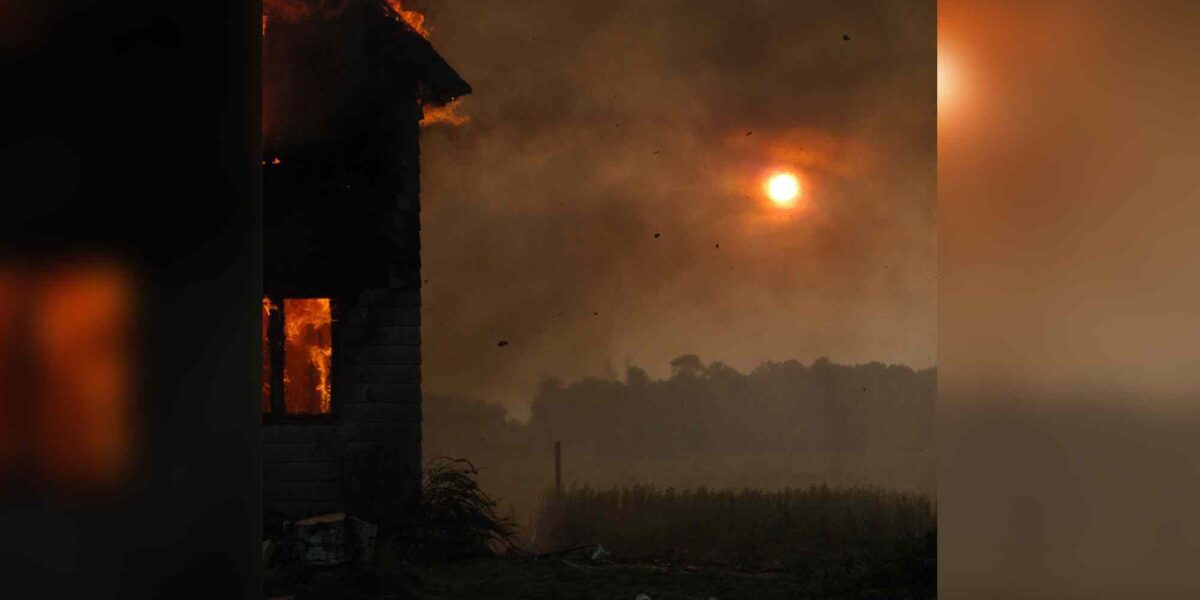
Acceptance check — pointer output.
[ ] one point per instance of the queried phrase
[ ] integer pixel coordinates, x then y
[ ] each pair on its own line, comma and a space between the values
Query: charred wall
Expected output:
365, 457
342, 104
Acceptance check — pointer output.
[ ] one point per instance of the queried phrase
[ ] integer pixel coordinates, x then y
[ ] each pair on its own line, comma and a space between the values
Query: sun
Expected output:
783, 188
949, 80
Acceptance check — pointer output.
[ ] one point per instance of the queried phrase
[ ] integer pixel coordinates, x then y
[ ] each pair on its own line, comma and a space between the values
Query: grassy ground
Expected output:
818, 542
499, 579
796, 530
518, 482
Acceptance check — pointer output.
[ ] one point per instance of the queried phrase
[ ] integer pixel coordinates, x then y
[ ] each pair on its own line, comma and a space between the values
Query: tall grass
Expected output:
454, 518
790, 529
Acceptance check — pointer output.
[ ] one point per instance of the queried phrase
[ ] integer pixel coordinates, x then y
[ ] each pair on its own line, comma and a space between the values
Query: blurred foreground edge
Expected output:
130, 278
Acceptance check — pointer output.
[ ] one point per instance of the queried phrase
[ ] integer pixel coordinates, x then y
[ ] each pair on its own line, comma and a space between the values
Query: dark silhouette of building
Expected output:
343, 95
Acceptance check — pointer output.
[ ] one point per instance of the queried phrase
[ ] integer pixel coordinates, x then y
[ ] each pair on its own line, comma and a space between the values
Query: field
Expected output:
856, 543
828, 540
517, 481
550, 579
622, 542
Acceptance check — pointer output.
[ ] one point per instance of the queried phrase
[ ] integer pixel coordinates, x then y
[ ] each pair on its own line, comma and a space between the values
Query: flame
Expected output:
295, 10
308, 354
447, 114
433, 115
412, 18
267, 307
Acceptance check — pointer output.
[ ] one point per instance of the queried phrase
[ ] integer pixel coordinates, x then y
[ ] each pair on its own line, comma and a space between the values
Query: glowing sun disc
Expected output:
783, 188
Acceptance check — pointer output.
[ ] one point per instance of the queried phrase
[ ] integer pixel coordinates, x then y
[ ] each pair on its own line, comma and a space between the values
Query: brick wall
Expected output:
366, 458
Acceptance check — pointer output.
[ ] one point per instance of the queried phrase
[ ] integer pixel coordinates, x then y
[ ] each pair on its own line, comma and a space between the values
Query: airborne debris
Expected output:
749, 132
502, 343
656, 235
595, 314
846, 37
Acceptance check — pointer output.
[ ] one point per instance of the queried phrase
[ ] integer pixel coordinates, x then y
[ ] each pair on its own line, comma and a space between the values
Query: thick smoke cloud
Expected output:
1068, 286
603, 205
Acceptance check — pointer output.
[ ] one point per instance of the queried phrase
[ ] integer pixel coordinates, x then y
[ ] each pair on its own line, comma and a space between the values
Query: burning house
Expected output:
346, 86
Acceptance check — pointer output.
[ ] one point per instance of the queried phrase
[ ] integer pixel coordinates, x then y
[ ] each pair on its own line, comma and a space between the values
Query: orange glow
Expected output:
82, 350
9, 388
443, 114
288, 10
949, 79
267, 308
783, 188
412, 18
308, 354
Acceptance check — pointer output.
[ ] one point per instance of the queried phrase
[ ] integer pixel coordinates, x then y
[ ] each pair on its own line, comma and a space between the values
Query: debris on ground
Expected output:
330, 540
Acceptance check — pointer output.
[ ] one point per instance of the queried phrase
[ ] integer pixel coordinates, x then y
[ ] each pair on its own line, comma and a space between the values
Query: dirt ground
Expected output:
568, 579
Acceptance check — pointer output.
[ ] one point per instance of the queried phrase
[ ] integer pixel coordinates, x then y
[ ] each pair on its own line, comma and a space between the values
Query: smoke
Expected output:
603, 205
1068, 203
1068, 286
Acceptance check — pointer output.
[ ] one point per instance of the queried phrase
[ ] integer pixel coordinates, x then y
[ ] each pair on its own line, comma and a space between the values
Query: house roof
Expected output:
342, 102
442, 84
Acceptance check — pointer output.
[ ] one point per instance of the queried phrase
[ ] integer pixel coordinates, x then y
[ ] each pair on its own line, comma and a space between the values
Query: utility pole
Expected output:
558, 469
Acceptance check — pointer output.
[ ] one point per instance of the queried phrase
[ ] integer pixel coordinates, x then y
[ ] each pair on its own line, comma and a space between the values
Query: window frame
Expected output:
276, 341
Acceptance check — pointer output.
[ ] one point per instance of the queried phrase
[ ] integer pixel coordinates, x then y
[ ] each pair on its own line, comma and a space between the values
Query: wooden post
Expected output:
558, 469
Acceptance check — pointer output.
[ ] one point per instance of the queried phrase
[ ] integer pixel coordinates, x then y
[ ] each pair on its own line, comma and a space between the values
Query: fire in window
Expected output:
297, 356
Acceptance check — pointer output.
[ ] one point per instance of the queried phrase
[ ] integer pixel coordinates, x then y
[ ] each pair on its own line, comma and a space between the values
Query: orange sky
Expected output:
595, 126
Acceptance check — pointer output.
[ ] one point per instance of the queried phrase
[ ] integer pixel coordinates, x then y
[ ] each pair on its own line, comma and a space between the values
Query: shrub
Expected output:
454, 518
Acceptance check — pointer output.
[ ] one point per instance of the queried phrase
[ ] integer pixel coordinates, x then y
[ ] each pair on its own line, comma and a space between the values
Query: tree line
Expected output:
701, 409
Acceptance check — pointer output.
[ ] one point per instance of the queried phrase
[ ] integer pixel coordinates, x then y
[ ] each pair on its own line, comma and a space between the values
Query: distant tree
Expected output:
636, 377
688, 365
867, 410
